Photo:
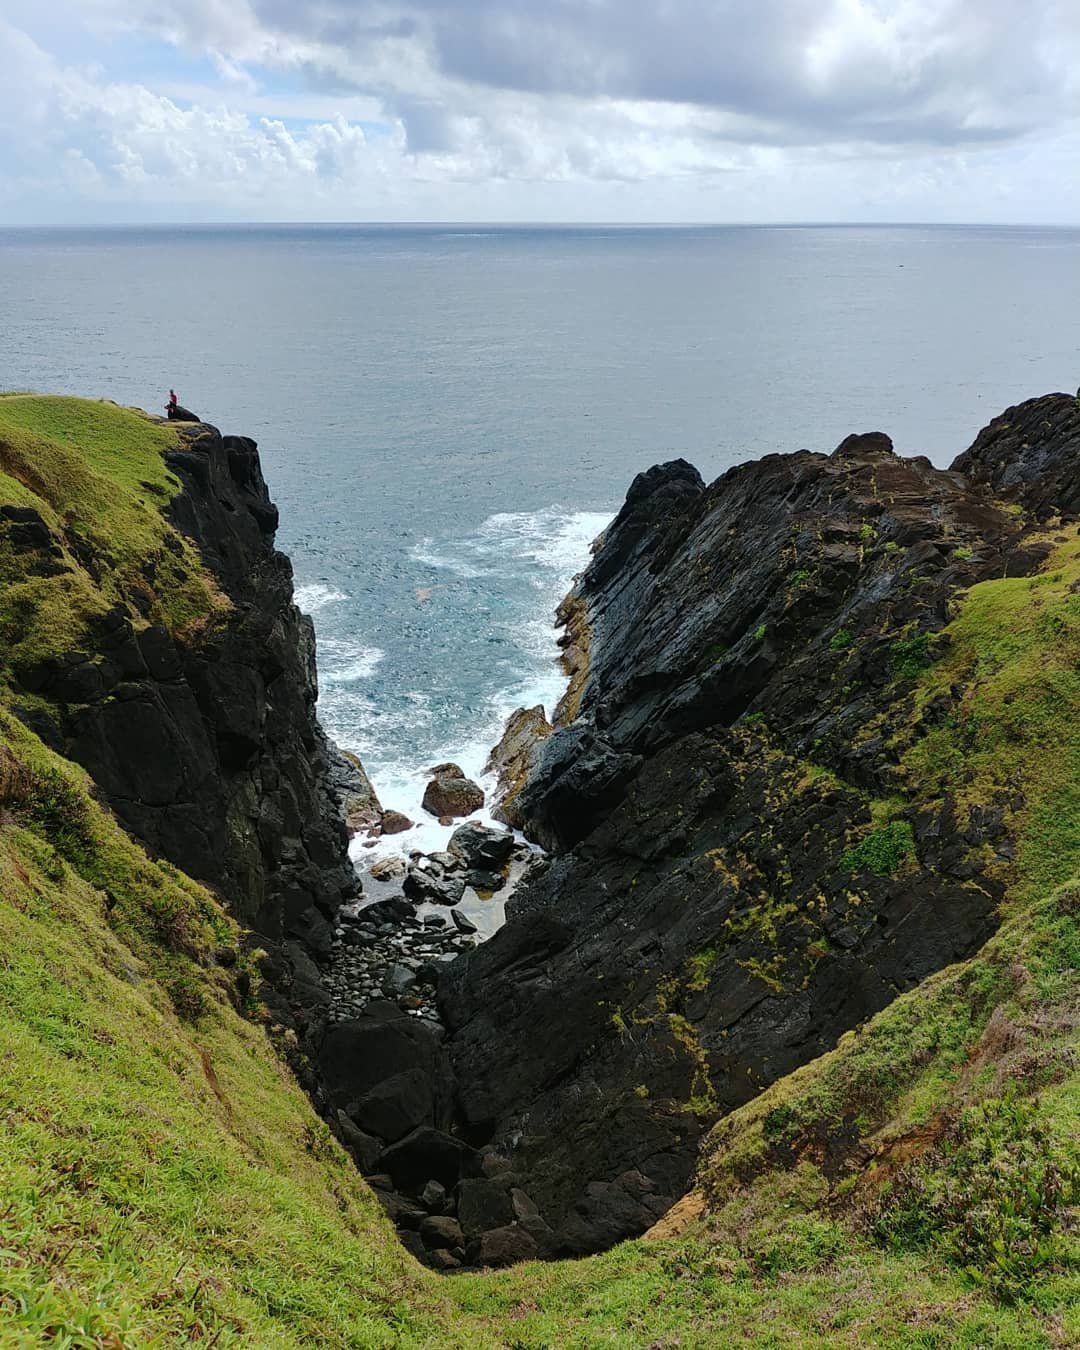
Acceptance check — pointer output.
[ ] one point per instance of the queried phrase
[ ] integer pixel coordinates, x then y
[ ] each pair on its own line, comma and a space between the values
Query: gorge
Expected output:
815, 773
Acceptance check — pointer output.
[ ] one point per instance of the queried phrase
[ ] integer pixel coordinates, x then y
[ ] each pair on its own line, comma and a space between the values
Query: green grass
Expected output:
164, 1181
96, 474
882, 851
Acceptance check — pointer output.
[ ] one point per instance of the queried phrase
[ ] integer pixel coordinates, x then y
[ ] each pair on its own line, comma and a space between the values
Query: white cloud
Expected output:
696, 109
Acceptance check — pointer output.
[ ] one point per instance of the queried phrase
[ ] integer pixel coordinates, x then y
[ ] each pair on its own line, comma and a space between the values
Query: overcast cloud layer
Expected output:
540, 110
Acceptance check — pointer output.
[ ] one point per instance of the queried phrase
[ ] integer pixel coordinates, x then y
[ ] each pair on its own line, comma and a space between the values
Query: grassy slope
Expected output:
96, 475
162, 1179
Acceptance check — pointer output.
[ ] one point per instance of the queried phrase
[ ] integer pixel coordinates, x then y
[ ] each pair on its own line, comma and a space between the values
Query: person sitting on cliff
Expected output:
172, 401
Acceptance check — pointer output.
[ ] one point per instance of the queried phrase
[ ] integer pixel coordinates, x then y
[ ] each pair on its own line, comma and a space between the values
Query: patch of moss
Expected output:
840, 640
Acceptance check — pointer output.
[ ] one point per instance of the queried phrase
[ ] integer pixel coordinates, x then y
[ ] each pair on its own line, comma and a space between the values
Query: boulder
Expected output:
440, 1230
424, 1154
433, 1197
398, 980
394, 822
461, 923
360, 806
394, 1065
503, 1247
480, 847
452, 796
394, 1107
483, 1203
387, 869
446, 771
422, 886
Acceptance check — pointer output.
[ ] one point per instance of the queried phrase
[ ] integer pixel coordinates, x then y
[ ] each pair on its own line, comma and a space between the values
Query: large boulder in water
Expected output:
450, 793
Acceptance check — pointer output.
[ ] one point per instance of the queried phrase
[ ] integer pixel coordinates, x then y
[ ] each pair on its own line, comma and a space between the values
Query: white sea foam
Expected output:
344, 660
550, 547
316, 596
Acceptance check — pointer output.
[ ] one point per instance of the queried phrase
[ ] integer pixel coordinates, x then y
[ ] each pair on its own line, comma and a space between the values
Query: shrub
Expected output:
992, 1197
882, 850
48, 803
759, 632
911, 656
840, 640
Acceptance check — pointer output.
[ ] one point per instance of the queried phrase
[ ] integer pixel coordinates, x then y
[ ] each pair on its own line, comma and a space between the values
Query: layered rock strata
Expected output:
741, 870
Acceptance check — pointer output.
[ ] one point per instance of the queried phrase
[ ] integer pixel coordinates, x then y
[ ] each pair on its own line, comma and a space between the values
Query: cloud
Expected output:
657, 108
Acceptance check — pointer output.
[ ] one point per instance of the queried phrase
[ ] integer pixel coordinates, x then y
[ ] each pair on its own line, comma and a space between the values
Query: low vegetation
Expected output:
164, 1181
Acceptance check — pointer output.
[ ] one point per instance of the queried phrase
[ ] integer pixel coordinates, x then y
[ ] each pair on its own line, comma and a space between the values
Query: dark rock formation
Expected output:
741, 696
208, 749
1029, 455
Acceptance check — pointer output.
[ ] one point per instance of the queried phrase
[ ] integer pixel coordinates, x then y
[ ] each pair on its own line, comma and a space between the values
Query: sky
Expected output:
126, 111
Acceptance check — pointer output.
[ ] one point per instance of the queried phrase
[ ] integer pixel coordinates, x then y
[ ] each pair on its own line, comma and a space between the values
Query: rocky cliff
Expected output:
196, 720
745, 860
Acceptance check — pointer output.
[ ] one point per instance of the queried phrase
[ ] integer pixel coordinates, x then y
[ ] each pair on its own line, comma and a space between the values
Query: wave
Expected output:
316, 596
526, 560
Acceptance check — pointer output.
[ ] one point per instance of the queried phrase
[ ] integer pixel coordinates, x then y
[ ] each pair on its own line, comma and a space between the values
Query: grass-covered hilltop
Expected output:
804, 958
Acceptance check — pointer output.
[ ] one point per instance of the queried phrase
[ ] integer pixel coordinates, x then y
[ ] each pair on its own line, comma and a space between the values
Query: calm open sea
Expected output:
447, 415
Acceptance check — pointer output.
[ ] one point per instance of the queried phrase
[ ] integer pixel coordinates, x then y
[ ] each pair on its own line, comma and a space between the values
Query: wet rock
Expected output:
447, 770
461, 923
424, 886
387, 869
452, 796
394, 822
488, 882
481, 848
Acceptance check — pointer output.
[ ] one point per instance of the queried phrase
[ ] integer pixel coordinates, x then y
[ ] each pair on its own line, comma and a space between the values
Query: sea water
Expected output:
448, 415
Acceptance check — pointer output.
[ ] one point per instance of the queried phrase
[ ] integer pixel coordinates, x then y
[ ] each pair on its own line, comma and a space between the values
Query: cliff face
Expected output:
202, 735
747, 864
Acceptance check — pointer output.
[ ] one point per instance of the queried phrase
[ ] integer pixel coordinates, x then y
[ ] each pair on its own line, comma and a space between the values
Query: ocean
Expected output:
448, 415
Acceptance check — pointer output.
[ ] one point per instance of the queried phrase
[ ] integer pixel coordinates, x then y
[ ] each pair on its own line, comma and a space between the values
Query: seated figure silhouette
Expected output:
176, 413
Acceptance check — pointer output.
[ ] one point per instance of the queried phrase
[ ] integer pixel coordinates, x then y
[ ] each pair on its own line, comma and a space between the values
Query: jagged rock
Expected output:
360, 806
394, 822
178, 413
461, 923
1029, 455
436, 890
433, 1198
451, 796
439, 1230
481, 848
727, 637
512, 760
